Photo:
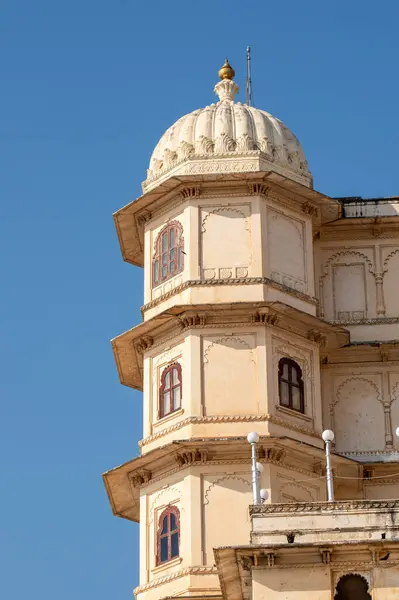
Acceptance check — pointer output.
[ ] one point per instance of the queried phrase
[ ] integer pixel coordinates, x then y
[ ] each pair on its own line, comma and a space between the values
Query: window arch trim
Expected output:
175, 389
168, 258
291, 385
167, 513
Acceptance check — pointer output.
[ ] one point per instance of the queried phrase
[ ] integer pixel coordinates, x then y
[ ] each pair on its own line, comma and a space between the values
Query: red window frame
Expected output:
290, 382
171, 389
168, 259
166, 514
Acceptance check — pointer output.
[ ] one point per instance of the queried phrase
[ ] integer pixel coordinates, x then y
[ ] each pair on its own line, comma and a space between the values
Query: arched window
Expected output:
290, 383
170, 392
352, 587
168, 257
168, 535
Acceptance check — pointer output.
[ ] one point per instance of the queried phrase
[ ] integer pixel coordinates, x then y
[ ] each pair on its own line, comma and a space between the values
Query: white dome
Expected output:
227, 137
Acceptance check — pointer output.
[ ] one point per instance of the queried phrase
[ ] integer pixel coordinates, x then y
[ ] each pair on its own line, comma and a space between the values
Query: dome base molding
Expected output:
252, 161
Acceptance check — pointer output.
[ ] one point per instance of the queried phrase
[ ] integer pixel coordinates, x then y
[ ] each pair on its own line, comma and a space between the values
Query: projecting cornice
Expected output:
123, 484
360, 228
130, 221
130, 347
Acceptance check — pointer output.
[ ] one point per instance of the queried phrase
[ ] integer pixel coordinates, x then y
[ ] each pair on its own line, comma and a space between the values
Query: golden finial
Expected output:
226, 72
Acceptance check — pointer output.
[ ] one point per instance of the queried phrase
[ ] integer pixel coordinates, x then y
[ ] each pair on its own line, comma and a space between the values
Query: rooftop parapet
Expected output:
348, 521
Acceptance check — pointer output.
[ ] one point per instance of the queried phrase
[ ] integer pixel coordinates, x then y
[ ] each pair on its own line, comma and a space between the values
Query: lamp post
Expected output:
257, 468
328, 437
264, 494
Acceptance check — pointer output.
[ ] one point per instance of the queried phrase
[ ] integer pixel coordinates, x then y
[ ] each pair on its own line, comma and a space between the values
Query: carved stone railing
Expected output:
341, 505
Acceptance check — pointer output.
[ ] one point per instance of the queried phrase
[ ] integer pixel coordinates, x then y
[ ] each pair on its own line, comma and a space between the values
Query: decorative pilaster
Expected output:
379, 278
388, 426
321, 298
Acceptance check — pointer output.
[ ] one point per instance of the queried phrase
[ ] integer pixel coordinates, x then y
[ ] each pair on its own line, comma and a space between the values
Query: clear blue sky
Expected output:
87, 88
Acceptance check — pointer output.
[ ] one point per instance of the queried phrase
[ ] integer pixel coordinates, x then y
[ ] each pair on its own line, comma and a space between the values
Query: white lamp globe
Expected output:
259, 467
328, 435
253, 437
264, 494
397, 432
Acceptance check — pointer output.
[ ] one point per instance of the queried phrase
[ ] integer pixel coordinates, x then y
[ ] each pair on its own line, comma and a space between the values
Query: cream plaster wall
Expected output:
360, 404
231, 373
290, 486
291, 584
226, 241
358, 286
319, 583
235, 238
226, 499
287, 254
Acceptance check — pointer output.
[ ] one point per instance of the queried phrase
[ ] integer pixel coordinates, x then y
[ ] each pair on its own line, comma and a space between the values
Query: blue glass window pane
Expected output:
167, 380
284, 393
164, 271
171, 238
172, 267
176, 399
164, 549
166, 403
296, 398
164, 242
174, 545
156, 271
165, 525
180, 258
172, 522
294, 376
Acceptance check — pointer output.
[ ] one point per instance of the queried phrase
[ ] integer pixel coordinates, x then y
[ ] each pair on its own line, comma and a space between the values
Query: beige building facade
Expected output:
268, 307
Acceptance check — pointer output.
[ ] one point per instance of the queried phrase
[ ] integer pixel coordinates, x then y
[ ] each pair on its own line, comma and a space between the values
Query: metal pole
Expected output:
248, 86
330, 483
255, 476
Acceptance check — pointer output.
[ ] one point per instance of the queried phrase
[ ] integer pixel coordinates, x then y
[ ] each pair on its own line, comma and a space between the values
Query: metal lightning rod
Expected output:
248, 87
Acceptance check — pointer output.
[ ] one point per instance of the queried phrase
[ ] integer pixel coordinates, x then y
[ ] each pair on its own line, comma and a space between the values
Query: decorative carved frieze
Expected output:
231, 281
342, 505
191, 457
190, 192
176, 575
229, 419
144, 344
314, 335
288, 281
325, 555
191, 320
246, 562
260, 189
268, 318
139, 478
271, 454
143, 217
270, 558
310, 209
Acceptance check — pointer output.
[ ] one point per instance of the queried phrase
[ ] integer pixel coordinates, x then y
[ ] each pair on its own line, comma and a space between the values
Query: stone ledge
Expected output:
342, 505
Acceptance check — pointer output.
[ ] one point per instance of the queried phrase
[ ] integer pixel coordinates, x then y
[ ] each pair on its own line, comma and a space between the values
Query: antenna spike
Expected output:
248, 86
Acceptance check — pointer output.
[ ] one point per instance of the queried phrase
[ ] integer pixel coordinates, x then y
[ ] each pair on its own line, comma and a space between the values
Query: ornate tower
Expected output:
230, 340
